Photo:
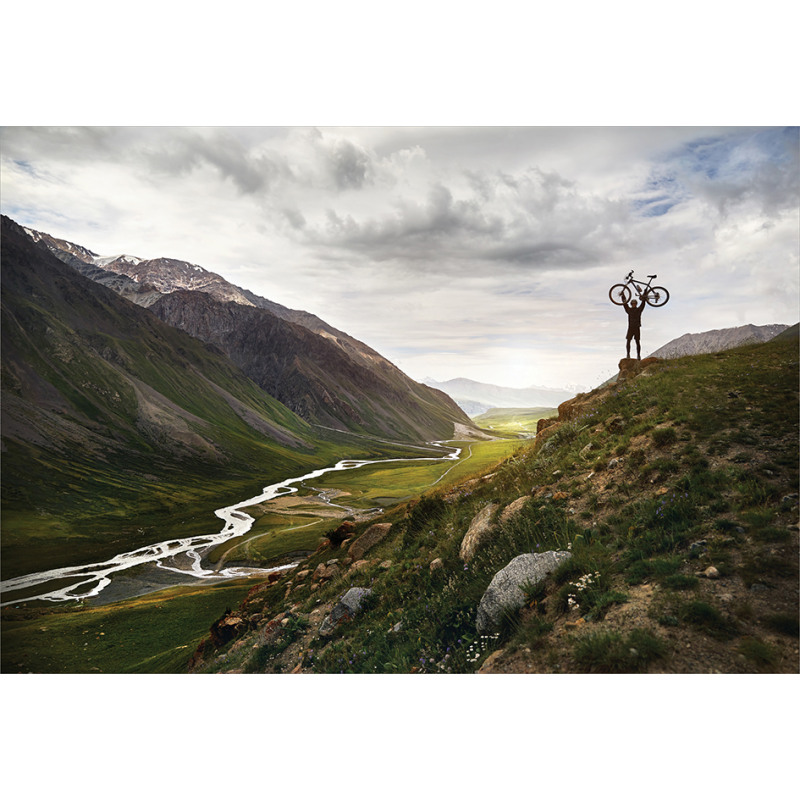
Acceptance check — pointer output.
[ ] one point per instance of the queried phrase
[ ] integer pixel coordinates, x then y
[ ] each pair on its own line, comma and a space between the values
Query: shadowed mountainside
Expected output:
311, 375
321, 373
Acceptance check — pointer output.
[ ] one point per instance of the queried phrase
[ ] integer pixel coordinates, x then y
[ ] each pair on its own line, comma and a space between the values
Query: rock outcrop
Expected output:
506, 592
374, 534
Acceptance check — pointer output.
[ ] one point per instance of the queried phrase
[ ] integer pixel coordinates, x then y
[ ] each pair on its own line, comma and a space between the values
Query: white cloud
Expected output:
484, 252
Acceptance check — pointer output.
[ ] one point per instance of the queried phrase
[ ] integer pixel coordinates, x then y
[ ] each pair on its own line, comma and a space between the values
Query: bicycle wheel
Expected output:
619, 293
657, 296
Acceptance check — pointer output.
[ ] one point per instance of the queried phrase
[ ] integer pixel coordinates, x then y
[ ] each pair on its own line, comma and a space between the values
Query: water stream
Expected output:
182, 556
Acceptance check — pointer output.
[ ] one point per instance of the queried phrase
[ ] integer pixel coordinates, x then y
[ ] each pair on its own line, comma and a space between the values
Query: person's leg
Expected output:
628, 347
638, 348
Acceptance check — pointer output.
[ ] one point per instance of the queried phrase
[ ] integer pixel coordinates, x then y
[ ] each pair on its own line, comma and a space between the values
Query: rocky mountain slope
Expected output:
715, 341
476, 398
323, 374
652, 526
309, 374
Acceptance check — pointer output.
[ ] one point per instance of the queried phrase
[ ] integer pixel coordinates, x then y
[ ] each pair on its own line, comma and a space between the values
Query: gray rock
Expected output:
347, 608
505, 592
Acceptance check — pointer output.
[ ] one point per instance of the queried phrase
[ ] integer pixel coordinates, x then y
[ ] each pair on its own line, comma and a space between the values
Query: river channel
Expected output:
177, 560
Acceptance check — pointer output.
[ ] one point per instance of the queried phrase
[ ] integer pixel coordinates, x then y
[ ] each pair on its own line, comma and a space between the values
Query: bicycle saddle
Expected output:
652, 276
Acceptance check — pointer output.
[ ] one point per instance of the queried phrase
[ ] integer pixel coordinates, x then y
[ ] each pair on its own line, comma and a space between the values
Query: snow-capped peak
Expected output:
102, 261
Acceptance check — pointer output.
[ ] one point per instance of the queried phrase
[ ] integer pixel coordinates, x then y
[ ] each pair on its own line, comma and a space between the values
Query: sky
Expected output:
476, 252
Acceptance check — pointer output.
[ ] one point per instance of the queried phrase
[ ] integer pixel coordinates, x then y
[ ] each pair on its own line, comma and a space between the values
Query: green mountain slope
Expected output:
674, 494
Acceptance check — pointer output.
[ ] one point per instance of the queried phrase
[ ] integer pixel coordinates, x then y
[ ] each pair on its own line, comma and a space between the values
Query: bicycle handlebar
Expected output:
629, 275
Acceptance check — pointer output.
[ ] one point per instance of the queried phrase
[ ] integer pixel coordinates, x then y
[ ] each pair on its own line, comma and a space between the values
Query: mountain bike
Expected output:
621, 293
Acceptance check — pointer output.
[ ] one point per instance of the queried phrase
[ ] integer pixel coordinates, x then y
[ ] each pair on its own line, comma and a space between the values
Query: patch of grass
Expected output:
708, 619
663, 437
760, 653
787, 624
680, 582
613, 653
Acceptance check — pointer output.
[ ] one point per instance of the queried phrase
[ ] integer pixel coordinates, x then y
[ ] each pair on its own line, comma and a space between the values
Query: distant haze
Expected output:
475, 398
484, 253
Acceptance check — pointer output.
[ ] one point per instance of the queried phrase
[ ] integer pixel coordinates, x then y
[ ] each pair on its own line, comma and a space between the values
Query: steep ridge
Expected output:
355, 387
104, 405
310, 374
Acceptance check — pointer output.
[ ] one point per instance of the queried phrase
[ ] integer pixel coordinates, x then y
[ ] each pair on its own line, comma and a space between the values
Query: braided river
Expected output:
182, 558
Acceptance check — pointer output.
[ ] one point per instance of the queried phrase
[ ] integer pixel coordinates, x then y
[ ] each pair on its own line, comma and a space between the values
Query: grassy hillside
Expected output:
676, 494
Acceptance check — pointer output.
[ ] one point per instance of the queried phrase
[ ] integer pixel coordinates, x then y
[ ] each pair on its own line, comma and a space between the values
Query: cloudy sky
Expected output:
478, 252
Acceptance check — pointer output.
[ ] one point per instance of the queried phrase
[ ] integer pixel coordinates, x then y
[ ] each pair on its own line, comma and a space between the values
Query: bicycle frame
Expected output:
631, 281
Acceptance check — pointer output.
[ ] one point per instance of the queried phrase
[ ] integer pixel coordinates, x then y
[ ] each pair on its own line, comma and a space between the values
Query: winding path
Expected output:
183, 556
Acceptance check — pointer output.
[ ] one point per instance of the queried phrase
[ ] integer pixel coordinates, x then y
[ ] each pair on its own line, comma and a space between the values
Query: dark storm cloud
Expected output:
532, 218
250, 170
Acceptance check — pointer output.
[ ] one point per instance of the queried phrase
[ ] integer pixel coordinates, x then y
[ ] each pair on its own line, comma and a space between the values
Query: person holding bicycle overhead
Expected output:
621, 293
634, 313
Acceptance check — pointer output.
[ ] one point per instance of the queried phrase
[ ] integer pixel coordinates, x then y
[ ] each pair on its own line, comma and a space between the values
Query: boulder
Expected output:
437, 563
478, 531
348, 606
344, 531
512, 509
544, 435
506, 590
226, 628
374, 534
545, 422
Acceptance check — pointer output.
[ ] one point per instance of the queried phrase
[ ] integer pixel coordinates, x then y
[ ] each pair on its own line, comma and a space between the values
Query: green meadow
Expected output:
513, 421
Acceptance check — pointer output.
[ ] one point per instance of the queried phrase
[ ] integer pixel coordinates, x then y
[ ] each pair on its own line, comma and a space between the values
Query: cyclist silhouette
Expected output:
634, 313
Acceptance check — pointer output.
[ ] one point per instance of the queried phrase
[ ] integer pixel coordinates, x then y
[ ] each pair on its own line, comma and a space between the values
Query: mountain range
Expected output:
324, 375
714, 341
475, 398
